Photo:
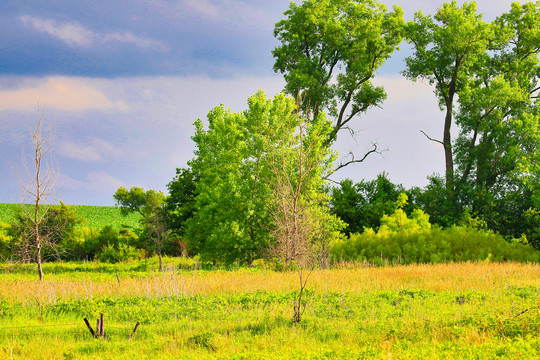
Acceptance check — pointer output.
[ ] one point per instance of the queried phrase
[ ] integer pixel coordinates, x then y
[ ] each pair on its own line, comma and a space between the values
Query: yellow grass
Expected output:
442, 277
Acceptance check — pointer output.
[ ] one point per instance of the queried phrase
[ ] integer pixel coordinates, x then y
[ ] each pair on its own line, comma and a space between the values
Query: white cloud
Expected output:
72, 94
75, 34
233, 12
138, 41
72, 33
93, 150
104, 182
96, 181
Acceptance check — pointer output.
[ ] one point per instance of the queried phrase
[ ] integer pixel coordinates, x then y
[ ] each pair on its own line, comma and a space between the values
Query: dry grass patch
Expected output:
442, 277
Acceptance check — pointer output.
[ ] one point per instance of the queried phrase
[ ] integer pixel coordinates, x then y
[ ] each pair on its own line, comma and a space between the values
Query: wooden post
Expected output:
89, 327
98, 328
102, 325
136, 326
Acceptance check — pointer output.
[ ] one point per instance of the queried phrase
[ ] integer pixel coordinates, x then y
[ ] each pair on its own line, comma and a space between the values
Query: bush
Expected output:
108, 236
436, 245
5, 253
121, 252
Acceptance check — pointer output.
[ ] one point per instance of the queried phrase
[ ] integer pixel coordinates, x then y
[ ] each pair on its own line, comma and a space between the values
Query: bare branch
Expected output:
429, 138
353, 161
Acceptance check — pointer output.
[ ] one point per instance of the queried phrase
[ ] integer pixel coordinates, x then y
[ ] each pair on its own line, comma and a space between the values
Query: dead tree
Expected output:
295, 164
37, 188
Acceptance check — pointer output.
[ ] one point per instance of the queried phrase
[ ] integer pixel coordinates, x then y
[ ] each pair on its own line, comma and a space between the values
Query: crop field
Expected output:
95, 217
446, 311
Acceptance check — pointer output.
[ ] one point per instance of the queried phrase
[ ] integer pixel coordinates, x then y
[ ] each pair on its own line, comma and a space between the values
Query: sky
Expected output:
123, 81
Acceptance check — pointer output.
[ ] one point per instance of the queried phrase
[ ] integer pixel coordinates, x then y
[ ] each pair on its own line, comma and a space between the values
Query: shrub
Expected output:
121, 252
94, 243
4, 241
432, 246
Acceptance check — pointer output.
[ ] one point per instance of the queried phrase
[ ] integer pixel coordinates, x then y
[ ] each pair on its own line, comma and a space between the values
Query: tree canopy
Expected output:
330, 51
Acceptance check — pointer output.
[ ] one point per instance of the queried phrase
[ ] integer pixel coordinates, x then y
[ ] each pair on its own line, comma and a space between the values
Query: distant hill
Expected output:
94, 217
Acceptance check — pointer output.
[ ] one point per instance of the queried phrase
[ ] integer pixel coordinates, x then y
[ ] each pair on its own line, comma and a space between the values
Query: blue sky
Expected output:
123, 81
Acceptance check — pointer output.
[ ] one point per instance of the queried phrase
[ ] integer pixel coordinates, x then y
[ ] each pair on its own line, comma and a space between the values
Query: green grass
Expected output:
95, 217
455, 311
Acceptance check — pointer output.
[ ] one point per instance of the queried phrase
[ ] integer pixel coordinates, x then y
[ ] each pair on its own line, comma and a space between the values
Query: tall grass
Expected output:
88, 280
450, 311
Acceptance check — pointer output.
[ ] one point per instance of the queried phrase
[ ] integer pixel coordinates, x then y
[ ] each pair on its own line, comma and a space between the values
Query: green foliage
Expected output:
399, 222
492, 71
250, 164
180, 202
230, 217
242, 159
138, 200
56, 231
532, 234
329, 52
497, 149
108, 237
119, 253
151, 205
362, 205
435, 200
77, 232
5, 240
407, 240
436, 245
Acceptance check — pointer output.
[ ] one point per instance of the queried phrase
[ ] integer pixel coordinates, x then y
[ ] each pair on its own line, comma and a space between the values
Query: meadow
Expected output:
478, 310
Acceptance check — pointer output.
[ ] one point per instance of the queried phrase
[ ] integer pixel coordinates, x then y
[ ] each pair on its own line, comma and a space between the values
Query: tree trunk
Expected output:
447, 143
40, 270
159, 240
36, 232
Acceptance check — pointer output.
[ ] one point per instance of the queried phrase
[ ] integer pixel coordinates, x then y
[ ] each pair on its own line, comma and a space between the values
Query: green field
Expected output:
447, 311
95, 217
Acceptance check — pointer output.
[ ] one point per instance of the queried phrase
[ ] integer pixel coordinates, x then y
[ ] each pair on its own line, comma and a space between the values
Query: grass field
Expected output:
95, 217
447, 311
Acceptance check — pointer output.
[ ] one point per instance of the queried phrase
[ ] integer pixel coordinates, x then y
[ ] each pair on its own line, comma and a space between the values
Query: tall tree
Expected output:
491, 71
447, 47
498, 112
329, 53
230, 222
